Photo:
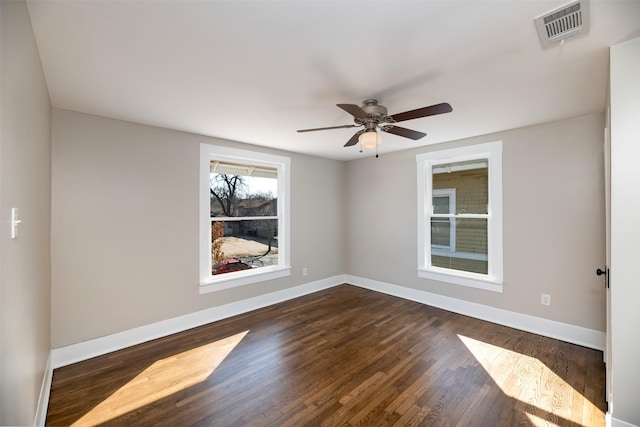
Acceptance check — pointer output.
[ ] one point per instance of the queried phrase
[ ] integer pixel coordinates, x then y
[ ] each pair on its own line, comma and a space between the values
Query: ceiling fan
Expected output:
373, 116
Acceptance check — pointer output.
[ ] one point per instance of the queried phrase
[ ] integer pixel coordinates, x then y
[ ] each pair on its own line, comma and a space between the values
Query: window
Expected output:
443, 230
460, 216
244, 217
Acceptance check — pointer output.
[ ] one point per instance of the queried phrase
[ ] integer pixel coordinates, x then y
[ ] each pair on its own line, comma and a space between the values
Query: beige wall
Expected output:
25, 171
125, 226
553, 210
625, 231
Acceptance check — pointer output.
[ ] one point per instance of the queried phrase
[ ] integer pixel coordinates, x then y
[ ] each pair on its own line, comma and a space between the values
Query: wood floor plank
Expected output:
345, 356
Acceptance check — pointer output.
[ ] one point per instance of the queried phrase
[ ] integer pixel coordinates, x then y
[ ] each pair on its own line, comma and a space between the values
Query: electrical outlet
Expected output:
545, 299
305, 271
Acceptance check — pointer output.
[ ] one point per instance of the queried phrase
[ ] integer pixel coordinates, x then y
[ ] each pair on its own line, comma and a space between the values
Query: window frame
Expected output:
211, 283
492, 152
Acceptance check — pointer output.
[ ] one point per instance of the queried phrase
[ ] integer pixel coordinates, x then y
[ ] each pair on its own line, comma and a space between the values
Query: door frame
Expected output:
607, 279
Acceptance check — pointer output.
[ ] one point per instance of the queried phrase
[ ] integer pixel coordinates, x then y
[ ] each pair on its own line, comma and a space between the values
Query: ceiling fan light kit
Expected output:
375, 119
370, 139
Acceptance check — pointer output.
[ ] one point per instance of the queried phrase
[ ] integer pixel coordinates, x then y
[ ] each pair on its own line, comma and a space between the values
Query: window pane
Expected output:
441, 204
471, 247
440, 232
243, 190
469, 179
241, 245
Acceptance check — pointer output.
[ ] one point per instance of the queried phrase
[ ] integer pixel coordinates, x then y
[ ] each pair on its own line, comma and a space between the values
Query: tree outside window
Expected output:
244, 217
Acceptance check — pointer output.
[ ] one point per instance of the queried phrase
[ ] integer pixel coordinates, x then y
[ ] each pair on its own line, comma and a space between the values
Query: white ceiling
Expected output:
255, 71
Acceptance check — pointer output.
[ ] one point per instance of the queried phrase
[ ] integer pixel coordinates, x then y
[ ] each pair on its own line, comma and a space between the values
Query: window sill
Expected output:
241, 278
470, 280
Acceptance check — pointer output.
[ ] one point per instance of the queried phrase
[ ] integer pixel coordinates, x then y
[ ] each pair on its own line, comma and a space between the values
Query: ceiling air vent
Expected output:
569, 20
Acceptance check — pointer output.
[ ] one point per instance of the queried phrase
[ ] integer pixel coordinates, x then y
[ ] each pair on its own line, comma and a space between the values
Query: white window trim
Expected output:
210, 283
493, 281
461, 255
451, 193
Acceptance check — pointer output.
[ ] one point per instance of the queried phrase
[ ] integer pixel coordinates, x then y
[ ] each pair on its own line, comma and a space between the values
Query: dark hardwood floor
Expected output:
345, 356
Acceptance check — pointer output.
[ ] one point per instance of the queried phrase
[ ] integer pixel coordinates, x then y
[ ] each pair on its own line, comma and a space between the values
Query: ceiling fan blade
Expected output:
354, 138
422, 112
354, 110
330, 127
407, 133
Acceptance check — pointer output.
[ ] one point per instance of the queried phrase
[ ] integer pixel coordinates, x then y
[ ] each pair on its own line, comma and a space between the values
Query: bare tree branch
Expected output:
226, 188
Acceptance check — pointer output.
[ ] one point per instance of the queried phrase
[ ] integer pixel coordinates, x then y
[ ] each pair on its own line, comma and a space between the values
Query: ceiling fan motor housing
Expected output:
377, 113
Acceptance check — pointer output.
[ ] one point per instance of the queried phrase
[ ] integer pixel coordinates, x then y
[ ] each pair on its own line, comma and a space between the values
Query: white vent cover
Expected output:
566, 21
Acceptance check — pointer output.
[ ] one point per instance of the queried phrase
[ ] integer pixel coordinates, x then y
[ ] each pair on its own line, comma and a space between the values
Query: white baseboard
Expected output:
43, 398
570, 333
98, 346
614, 422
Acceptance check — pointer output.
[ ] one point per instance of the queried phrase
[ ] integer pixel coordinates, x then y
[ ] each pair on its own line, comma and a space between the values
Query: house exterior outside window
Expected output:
460, 216
244, 217
443, 230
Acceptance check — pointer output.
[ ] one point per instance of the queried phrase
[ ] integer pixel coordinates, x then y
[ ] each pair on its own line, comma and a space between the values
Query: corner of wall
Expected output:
45, 390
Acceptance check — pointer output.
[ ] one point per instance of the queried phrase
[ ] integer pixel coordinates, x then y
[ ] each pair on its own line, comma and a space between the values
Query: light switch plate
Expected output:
14, 223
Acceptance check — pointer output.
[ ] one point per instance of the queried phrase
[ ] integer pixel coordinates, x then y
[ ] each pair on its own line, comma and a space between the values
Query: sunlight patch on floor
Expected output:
540, 392
538, 421
160, 380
